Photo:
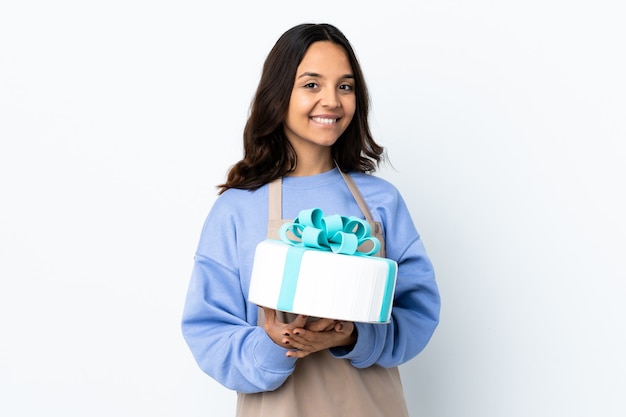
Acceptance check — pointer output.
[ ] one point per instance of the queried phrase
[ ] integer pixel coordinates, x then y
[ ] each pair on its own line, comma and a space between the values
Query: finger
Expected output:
298, 339
344, 327
299, 322
310, 341
313, 341
298, 354
321, 325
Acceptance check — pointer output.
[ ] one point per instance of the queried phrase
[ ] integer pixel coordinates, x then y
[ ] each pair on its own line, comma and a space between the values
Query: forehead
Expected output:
325, 58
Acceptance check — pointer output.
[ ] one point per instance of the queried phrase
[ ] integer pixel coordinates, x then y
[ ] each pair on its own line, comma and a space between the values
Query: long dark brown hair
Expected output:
267, 152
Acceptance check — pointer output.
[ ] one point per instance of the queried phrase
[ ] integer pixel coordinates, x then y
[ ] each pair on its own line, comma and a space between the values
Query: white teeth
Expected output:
324, 121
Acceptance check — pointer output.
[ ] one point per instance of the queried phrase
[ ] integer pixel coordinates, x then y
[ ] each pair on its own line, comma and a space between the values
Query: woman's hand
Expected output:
318, 335
304, 337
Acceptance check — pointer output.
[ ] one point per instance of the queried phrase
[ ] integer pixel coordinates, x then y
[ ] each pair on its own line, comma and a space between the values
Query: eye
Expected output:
310, 85
346, 87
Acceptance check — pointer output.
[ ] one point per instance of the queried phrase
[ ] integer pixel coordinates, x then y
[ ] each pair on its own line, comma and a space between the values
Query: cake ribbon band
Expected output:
336, 233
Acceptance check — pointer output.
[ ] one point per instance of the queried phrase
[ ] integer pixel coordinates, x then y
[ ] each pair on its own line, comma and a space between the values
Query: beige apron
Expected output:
321, 385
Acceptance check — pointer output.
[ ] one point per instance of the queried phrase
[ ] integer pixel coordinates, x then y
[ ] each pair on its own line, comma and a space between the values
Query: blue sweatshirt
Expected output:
219, 324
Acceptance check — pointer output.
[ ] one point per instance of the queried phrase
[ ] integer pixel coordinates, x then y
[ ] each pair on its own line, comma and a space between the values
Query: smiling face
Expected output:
322, 101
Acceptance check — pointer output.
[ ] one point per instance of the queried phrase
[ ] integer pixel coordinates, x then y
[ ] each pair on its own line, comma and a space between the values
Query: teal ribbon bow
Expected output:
336, 233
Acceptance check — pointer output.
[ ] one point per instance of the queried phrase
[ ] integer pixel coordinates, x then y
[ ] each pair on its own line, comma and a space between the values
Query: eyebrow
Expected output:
316, 75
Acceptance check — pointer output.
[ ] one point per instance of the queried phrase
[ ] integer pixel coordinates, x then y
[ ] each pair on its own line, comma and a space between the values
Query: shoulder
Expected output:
233, 211
236, 198
235, 203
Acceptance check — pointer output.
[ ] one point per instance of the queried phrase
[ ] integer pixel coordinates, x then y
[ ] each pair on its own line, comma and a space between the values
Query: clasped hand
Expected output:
304, 337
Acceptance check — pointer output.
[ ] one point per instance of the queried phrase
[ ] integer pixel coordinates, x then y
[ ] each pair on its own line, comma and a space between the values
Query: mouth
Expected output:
325, 120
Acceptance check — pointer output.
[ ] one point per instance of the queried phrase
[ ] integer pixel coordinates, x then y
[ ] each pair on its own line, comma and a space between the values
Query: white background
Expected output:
505, 124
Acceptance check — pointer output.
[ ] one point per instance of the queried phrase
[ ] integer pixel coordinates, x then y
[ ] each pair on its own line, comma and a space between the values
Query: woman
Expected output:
307, 144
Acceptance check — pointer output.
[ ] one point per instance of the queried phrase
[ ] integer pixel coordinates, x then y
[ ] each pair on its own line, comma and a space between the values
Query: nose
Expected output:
330, 98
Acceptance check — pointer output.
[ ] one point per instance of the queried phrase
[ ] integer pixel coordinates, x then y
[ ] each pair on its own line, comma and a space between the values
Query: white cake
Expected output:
322, 283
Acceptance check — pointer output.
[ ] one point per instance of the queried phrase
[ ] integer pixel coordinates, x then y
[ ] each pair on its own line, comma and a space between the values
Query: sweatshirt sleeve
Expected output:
416, 306
237, 354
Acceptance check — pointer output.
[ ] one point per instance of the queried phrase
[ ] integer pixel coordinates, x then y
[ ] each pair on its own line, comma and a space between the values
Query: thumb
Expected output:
346, 327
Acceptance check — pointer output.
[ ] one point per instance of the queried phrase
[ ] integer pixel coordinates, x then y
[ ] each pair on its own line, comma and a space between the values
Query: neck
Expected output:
312, 166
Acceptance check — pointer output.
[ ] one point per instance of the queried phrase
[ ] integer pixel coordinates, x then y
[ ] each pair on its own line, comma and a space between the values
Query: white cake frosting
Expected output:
322, 283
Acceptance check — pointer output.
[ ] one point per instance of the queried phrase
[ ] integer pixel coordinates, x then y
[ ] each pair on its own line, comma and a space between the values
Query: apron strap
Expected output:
356, 193
275, 208
276, 199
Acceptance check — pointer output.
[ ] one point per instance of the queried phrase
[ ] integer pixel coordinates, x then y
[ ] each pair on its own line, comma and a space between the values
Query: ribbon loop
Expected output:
335, 233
